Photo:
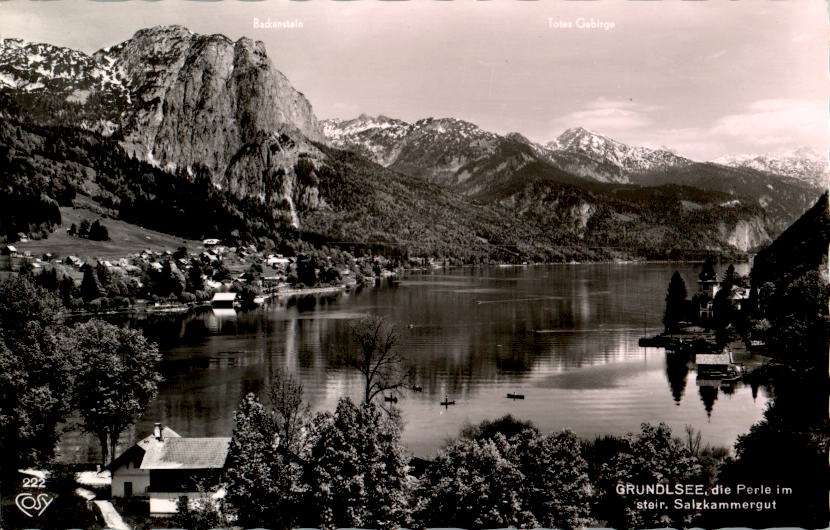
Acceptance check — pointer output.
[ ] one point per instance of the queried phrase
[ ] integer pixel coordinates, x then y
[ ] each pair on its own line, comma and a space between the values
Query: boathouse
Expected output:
226, 300
714, 365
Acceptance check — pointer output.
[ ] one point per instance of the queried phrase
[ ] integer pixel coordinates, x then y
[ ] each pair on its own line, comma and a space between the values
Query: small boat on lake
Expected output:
447, 402
515, 396
390, 399
417, 388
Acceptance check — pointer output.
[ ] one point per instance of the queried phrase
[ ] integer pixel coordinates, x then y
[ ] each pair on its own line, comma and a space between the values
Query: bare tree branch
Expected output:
376, 359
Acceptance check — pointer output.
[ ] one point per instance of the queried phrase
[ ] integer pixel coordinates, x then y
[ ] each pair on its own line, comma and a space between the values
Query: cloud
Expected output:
766, 125
691, 142
771, 122
763, 126
607, 116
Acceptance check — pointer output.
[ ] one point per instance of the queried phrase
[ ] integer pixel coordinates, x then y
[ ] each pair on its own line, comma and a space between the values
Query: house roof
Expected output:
166, 432
224, 297
187, 453
141, 445
713, 358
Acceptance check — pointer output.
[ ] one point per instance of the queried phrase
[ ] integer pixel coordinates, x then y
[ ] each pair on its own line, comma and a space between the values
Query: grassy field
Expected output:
125, 239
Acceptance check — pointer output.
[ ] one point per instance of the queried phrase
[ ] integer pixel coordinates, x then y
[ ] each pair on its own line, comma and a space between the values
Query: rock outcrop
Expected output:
198, 99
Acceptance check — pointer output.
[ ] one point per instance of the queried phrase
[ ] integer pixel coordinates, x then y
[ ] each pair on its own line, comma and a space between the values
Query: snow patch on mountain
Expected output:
624, 158
59, 72
804, 164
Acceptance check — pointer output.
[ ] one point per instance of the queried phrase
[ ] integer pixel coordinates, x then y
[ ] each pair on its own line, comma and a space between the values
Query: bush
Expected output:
203, 515
651, 457
529, 480
506, 425
187, 298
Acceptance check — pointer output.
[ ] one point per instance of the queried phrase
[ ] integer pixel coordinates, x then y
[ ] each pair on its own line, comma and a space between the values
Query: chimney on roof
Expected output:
157, 432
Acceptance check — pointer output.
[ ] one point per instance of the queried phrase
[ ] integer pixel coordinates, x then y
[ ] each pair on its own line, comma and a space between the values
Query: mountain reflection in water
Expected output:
564, 336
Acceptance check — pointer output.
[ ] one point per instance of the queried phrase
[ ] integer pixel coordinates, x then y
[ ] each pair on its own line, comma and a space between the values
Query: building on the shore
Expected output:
223, 300
710, 286
705, 310
165, 467
738, 296
714, 365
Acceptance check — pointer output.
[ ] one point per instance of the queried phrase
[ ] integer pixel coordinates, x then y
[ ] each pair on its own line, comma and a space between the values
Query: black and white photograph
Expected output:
375, 264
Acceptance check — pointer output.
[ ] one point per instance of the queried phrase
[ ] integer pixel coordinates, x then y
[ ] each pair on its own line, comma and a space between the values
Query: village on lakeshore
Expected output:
208, 274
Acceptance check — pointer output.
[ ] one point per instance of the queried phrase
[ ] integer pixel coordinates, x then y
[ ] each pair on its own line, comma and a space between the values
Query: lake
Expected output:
565, 336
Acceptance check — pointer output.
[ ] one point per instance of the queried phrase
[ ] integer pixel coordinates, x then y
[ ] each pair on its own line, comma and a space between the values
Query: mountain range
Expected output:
394, 143
142, 124
804, 164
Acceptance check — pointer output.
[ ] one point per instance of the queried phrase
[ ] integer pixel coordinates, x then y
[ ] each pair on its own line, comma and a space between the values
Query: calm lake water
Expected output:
565, 336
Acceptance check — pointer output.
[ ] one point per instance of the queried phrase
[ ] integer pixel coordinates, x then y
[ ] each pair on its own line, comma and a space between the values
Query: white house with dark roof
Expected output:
166, 467
128, 479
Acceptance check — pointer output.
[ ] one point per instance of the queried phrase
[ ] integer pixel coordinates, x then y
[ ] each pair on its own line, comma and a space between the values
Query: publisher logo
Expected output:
33, 505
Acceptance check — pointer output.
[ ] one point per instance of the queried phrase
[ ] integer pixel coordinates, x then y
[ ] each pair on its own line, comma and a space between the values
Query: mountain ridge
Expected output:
804, 164
206, 111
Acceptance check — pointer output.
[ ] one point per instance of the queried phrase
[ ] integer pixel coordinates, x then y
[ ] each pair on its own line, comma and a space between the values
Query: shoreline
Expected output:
186, 307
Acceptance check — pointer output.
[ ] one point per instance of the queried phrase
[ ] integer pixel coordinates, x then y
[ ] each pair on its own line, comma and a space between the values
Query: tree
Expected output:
104, 276
788, 447
473, 484
676, 307
195, 282
708, 271
36, 375
286, 396
247, 294
202, 514
98, 232
357, 476
171, 281
525, 480
23, 303
117, 378
731, 277
90, 288
67, 290
263, 482
506, 425
376, 358
800, 319
49, 279
83, 229
651, 457
307, 270
557, 490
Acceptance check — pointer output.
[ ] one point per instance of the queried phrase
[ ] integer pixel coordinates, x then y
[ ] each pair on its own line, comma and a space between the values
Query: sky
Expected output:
703, 78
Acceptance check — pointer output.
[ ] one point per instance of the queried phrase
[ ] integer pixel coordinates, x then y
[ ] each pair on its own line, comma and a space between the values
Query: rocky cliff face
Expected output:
178, 100
279, 170
746, 234
198, 99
